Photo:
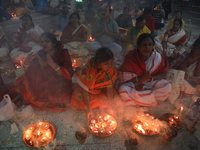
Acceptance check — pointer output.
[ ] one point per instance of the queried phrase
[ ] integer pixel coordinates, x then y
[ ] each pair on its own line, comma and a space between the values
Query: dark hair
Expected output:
144, 36
196, 42
52, 38
176, 11
179, 21
147, 10
103, 54
27, 16
126, 8
75, 13
140, 19
110, 10
90, 5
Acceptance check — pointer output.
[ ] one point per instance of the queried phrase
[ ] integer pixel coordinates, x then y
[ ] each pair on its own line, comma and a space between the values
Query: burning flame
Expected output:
140, 128
103, 125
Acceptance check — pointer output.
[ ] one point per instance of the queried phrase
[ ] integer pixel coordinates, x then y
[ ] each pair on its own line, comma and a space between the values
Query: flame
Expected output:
140, 128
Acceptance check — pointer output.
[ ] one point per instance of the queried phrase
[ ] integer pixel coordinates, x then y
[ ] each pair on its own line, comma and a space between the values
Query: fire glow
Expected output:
103, 125
146, 124
39, 135
18, 65
91, 39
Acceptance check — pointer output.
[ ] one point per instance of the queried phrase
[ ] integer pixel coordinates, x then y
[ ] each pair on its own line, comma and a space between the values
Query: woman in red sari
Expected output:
93, 80
74, 35
47, 82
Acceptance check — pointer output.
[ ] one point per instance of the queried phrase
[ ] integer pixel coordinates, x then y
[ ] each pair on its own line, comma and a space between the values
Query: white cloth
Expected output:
151, 91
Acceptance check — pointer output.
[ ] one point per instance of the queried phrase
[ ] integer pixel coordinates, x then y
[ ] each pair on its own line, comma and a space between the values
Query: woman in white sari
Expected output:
27, 40
174, 39
74, 35
143, 75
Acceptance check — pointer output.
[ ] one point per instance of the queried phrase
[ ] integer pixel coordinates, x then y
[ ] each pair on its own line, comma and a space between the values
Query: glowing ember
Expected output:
76, 64
172, 120
18, 65
146, 124
91, 39
103, 125
39, 135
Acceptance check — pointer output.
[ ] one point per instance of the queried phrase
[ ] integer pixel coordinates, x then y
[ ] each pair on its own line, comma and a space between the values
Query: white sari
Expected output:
152, 91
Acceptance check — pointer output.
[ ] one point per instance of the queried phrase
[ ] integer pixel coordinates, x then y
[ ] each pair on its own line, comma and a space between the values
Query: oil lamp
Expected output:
39, 135
146, 124
172, 120
91, 39
102, 125
76, 64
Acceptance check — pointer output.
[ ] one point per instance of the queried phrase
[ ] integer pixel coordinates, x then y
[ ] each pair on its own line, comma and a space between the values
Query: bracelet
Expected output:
136, 79
57, 68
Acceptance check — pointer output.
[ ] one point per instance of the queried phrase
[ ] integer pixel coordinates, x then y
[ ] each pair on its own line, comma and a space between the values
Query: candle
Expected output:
39, 135
91, 39
103, 126
181, 110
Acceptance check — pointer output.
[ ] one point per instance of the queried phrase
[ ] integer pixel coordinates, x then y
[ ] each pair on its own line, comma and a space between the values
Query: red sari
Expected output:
44, 88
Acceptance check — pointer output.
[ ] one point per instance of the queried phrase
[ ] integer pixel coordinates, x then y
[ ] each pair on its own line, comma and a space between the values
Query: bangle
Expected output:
136, 79
57, 68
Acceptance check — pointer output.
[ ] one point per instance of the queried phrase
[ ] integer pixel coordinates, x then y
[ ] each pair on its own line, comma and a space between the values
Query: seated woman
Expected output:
143, 75
174, 39
189, 62
93, 82
124, 20
177, 15
47, 82
26, 40
130, 40
74, 35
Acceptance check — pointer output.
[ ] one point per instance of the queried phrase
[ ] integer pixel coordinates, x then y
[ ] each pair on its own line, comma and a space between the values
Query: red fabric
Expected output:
150, 23
135, 64
44, 88
67, 33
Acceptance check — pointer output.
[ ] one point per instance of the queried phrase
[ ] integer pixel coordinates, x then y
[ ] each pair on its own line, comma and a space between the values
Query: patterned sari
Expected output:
92, 84
42, 87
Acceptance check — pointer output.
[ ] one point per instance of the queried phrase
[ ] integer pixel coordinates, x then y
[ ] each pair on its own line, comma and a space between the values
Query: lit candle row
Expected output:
103, 125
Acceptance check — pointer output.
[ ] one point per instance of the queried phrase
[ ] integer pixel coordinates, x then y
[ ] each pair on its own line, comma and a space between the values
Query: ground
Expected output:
67, 123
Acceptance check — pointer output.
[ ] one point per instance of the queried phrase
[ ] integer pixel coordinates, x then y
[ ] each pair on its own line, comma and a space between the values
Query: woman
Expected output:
124, 20
47, 82
189, 62
177, 15
74, 35
93, 81
130, 40
26, 40
174, 39
143, 73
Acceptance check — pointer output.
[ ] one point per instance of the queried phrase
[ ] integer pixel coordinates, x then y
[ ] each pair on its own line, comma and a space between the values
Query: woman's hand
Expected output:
29, 58
145, 77
50, 62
